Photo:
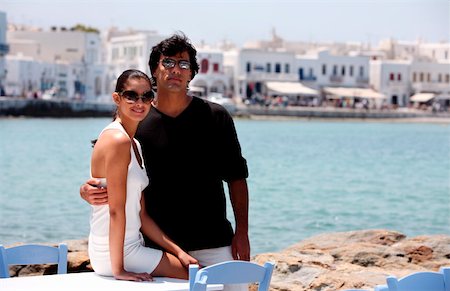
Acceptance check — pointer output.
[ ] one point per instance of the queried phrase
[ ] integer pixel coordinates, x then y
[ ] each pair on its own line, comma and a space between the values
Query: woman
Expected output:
116, 245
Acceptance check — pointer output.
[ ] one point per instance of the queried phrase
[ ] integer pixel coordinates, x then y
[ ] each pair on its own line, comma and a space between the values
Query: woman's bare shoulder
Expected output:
114, 138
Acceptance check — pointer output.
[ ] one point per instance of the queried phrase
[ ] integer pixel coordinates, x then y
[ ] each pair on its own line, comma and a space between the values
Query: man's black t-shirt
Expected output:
187, 158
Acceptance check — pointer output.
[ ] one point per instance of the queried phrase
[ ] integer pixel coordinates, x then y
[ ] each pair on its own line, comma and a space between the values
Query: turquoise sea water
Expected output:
306, 177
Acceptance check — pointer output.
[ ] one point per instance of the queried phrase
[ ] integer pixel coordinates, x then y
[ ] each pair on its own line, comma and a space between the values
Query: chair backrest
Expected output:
33, 254
429, 281
231, 272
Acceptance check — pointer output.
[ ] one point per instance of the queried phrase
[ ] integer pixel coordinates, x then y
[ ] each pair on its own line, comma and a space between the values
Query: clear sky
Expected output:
239, 21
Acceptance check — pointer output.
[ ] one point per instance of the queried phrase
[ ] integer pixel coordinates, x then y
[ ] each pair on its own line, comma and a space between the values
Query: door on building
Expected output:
300, 74
394, 100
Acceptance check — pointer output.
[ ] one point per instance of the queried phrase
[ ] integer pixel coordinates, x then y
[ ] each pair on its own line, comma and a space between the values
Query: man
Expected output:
190, 146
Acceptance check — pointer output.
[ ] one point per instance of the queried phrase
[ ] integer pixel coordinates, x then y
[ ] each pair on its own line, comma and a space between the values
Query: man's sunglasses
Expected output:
169, 63
133, 97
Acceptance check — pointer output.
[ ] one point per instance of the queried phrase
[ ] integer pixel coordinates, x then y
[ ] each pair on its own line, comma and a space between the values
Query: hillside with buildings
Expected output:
82, 63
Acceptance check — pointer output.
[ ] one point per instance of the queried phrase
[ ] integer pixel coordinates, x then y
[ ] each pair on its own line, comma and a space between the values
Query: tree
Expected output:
84, 28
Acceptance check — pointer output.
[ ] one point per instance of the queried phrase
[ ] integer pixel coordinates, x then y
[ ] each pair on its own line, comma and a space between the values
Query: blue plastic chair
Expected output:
33, 254
231, 272
381, 288
420, 281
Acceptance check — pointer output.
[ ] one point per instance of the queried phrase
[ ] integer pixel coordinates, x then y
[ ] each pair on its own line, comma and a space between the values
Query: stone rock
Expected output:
77, 261
356, 259
330, 261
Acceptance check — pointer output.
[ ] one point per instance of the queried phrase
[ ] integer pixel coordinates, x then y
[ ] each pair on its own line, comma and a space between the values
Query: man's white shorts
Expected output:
209, 257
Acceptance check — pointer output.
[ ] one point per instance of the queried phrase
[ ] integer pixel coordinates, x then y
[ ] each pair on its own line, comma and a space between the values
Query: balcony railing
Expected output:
362, 80
335, 79
430, 86
309, 79
4, 48
259, 76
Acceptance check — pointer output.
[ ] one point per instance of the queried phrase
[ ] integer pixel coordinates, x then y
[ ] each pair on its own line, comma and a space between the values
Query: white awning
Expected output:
422, 97
290, 88
197, 89
354, 92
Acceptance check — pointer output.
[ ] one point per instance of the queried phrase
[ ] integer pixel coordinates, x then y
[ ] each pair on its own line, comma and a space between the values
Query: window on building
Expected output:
428, 77
286, 68
115, 53
335, 70
324, 69
350, 71
391, 77
446, 55
343, 71
414, 77
447, 78
439, 78
216, 67
361, 71
268, 67
277, 68
204, 64
311, 72
421, 77
249, 67
399, 77
300, 74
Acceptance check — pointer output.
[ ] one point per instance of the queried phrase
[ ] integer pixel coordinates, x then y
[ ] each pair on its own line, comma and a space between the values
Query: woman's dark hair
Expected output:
127, 75
122, 82
176, 44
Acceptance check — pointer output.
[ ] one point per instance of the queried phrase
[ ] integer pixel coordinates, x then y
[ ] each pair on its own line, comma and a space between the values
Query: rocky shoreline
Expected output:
326, 262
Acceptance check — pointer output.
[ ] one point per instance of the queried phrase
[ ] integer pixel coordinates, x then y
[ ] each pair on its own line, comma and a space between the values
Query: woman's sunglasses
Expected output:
133, 97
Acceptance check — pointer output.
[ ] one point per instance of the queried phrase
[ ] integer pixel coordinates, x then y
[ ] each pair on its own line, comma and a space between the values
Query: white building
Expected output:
4, 49
431, 77
401, 79
211, 77
329, 70
56, 44
415, 49
129, 50
75, 55
392, 78
38, 79
250, 69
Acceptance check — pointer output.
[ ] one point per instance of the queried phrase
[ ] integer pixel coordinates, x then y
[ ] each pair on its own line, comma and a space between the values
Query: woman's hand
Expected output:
186, 259
130, 276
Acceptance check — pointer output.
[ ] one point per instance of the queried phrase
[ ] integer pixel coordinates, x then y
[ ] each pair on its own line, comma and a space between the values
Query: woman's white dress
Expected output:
137, 257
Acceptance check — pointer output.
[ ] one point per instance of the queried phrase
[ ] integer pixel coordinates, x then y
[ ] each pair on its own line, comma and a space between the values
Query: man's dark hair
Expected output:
177, 43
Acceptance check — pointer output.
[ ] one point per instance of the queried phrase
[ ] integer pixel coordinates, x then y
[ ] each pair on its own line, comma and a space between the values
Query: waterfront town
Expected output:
81, 63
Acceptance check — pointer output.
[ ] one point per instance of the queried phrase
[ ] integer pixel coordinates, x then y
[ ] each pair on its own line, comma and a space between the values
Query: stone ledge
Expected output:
325, 262
355, 259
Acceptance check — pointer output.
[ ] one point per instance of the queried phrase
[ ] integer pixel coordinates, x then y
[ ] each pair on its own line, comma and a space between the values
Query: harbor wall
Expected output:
338, 113
71, 108
54, 108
